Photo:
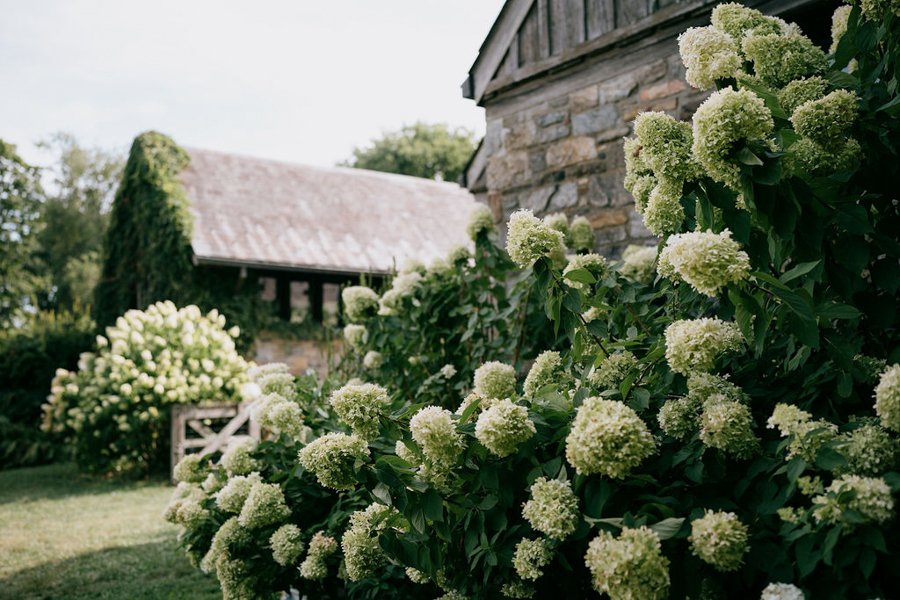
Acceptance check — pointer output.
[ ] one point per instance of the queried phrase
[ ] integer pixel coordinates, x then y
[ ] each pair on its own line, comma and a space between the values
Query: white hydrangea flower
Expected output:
495, 380
529, 239
530, 558
553, 508
868, 497
265, 505
631, 566
782, 591
433, 430
695, 344
609, 438
360, 303
321, 547
638, 263
362, 553
232, 496
593, 263
705, 260
333, 457
709, 55
480, 221
238, 457
286, 544
546, 370
720, 539
373, 360
503, 427
887, 398
360, 406
356, 336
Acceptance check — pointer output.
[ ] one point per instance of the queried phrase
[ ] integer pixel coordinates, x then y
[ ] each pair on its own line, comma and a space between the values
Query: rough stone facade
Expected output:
565, 154
298, 355
562, 81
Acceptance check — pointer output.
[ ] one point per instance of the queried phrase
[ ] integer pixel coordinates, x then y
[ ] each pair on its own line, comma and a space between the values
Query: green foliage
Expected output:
147, 249
716, 425
20, 196
75, 217
422, 150
29, 357
114, 410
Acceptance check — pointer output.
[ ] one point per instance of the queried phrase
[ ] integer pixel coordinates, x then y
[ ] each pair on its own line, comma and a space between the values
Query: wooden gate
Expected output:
207, 429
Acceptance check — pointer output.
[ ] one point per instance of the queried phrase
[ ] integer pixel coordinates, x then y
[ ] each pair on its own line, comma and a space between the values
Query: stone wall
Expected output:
556, 145
298, 355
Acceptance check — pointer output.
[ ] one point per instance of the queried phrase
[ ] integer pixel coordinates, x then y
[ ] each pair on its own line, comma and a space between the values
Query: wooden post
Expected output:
283, 296
316, 299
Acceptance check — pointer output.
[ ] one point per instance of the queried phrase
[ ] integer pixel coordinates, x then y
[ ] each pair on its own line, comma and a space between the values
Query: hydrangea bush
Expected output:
114, 409
713, 418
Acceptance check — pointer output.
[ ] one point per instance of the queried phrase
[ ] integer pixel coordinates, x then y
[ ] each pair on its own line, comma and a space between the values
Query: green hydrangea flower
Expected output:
887, 398
530, 239
360, 303
360, 406
531, 557
719, 539
495, 380
546, 370
705, 260
333, 457
433, 430
286, 544
709, 55
609, 438
553, 508
695, 344
503, 427
629, 567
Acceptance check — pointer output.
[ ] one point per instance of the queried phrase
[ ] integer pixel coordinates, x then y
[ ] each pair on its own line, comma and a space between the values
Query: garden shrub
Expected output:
114, 409
718, 419
29, 357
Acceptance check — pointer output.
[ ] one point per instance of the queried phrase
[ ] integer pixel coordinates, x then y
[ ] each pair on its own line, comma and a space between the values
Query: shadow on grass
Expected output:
153, 571
59, 481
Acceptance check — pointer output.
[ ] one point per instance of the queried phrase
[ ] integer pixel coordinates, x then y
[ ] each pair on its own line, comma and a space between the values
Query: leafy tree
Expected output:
75, 217
423, 150
20, 196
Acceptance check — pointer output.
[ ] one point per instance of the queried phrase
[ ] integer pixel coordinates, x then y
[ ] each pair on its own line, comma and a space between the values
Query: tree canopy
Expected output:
433, 151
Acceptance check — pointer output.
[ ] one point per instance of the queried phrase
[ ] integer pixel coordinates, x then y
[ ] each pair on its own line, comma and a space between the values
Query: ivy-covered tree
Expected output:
20, 205
423, 150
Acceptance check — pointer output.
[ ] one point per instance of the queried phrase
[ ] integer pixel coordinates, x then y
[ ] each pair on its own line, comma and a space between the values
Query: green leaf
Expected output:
433, 505
581, 276
667, 528
798, 271
830, 459
835, 310
746, 156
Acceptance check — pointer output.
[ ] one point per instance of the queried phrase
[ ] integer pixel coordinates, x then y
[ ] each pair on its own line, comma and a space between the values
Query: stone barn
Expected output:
561, 82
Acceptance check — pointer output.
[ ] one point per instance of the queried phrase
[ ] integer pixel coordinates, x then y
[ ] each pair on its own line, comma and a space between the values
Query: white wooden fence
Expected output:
208, 429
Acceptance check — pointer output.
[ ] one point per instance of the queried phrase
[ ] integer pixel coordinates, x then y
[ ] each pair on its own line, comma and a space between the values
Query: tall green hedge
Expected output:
147, 249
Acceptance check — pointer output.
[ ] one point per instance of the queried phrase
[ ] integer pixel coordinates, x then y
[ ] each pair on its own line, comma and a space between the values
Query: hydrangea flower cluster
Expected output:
719, 539
373, 360
661, 158
147, 361
613, 370
531, 557
186, 506
495, 380
704, 260
503, 427
807, 435
738, 21
727, 119
868, 497
403, 286
870, 450
778, 58
193, 468
362, 553
728, 426
232, 496
275, 412
480, 221
595, 264
782, 591
629, 567
695, 344
609, 438
360, 406
286, 544
677, 417
581, 235
529, 239
433, 430
517, 589
709, 55
800, 91
321, 547
333, 458
639, 263
265, 505
558, 222
553, 508
887, 398
230, 533
271, 378
238, 457
356, 336
360, 303
546, 370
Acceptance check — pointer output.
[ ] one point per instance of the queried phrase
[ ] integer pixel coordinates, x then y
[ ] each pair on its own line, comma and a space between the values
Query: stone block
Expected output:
519, 136
616, 133
666, 105
537, 162
617, 88
663, 89
507, 170
565, 196
596, 120
609, 218
611, 235
636, 228
552, 118
571, 151
561, 102
537, 200
597, 192
552, 133
493, 137
583, 99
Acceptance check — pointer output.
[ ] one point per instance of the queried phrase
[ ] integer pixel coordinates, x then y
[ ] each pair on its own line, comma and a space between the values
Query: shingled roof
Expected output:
275, 215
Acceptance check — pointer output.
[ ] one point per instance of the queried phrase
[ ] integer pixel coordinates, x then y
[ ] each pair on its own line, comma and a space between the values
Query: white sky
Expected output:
296, 80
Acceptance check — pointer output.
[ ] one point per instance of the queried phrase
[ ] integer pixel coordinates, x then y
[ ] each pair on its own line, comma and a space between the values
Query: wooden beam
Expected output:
316, 296
495, 47
283, 297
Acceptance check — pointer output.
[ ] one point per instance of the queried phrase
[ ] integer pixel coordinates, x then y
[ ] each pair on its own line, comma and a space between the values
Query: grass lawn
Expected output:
63, 535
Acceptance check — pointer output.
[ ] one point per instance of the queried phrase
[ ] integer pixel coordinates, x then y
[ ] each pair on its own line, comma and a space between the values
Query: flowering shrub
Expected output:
114, 409
718, 421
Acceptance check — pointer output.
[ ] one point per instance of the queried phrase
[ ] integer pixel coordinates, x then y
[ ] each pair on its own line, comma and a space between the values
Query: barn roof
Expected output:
275, 215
